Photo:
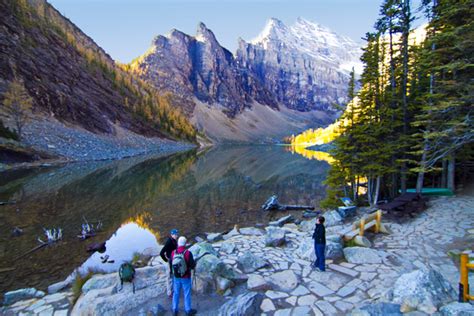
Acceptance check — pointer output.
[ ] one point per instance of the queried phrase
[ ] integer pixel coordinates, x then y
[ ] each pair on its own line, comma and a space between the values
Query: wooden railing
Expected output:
372, 221
464, 268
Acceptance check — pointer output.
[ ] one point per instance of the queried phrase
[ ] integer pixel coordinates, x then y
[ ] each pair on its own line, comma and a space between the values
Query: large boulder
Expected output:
248, 262
21, 294
283, 220
424, 290
285, 281
275, 237
361, 255
332, 218
247, 304
101, 281
204, 284
210, 265
457, 309
200, 249
334, 251
346, 211
104, 297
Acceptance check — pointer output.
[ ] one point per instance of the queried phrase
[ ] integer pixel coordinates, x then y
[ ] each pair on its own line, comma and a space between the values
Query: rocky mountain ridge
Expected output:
72, 80
303, 67
199, 67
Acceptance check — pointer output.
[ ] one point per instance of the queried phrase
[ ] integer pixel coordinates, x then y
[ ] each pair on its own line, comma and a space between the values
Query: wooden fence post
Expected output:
464, 280
378, 221
362, 226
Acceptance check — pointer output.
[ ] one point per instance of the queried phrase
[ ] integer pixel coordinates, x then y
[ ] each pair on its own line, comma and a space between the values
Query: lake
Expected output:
139, 200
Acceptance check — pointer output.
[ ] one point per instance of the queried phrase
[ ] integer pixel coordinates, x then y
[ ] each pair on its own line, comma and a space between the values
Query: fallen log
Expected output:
273, 204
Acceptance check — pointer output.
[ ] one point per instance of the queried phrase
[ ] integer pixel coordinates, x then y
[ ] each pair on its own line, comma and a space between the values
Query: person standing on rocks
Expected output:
182, 262
165, 253
319, 237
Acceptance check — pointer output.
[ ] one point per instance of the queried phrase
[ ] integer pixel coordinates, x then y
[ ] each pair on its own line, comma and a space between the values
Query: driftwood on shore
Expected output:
273, 204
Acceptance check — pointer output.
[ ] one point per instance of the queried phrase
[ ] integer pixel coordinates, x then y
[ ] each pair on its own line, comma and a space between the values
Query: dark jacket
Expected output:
170, 245
188, 257
319, 234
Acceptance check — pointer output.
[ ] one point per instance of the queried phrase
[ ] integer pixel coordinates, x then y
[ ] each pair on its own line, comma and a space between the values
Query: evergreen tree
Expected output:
449, 58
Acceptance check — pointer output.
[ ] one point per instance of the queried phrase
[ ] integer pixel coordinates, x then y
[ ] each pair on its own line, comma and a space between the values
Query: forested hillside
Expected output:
72, 79
414, 114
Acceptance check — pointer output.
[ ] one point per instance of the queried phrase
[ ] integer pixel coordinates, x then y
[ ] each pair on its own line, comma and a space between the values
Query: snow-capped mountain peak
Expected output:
274, 29
311, 39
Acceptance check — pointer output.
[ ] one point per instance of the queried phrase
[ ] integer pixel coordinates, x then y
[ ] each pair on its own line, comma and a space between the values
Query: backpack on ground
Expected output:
126, 274
179, 264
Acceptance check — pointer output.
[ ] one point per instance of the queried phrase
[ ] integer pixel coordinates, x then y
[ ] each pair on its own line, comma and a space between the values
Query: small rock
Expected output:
200, 249
386, 309
267, 305
248, 262
361, 255
222, 284
275, 237
457, 309
256, 282
282, 221
56, 287
244, 304
232, 233
362, 241
285, 281
251, 231
213, 237
227, 247
21, 294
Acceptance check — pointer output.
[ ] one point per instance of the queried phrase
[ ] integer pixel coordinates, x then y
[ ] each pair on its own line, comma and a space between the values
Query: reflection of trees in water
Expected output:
111, 194
311, 154
212, 192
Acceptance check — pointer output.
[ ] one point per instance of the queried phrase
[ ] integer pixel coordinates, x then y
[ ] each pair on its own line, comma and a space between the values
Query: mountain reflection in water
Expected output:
194, 192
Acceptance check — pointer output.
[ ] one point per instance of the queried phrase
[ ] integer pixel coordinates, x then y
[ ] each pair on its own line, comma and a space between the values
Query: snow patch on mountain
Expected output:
314, 40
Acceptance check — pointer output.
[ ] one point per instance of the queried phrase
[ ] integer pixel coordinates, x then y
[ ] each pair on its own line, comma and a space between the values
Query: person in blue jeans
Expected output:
182, 262
319, 237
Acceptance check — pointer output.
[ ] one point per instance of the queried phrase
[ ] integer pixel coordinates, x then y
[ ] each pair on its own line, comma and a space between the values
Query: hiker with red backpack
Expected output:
182, 262
165, 253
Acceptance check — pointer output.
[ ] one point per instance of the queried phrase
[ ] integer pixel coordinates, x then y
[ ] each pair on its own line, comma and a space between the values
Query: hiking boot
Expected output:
191, 312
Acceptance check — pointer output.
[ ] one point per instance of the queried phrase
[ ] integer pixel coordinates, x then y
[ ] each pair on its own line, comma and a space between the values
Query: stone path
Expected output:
415, 243
291, 287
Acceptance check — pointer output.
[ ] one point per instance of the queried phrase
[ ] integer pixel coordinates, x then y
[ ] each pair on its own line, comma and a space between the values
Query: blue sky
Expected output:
125, 28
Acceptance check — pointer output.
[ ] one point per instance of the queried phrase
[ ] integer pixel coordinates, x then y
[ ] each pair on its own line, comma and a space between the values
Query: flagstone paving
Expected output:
416, 242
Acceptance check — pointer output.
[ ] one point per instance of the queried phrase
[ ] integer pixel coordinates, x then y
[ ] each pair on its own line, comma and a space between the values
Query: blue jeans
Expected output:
320, 256
184, 283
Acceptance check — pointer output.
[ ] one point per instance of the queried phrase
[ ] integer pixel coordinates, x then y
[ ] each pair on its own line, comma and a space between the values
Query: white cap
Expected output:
181, 241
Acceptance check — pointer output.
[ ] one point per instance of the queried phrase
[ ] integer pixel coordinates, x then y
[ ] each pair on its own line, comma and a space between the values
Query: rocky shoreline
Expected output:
73, 144
267, 271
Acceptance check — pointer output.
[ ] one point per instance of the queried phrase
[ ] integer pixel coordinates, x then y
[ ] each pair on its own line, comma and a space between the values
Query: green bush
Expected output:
78, 283
5, 132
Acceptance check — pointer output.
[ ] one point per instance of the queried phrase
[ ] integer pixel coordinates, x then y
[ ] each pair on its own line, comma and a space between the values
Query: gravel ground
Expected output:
76, 144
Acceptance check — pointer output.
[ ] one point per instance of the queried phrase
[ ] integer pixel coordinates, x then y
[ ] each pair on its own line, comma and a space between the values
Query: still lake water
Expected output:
138, 201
